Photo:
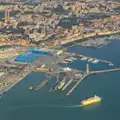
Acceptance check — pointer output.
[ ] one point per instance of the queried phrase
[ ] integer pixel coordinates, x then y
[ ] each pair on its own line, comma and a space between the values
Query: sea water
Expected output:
19, 103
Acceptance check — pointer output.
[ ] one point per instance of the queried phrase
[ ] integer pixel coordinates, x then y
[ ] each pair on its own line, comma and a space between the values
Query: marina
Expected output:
94, 60
59, 53
53, 69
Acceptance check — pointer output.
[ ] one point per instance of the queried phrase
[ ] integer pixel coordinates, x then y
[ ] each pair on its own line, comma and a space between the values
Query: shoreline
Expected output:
17, 80
82, 37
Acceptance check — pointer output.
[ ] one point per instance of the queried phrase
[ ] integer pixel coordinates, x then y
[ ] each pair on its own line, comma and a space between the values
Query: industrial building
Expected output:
28, 57
41, 52
32, 55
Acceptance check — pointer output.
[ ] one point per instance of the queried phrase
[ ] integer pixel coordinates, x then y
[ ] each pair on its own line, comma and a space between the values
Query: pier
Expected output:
14, 79
90, 73
106, 61
73, 88
79, 56
40, 85
104, 71
68, 83
103, 61
64, 78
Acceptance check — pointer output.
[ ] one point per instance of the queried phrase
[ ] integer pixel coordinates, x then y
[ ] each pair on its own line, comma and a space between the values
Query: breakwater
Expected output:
90, 73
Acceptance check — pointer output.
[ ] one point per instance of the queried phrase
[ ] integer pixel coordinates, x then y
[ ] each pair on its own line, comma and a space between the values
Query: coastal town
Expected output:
35, 36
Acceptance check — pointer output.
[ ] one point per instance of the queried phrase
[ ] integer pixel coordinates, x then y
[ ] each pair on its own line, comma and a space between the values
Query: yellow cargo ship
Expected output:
90, 101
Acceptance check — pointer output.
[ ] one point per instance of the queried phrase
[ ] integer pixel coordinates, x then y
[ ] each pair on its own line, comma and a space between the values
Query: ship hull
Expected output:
90, 103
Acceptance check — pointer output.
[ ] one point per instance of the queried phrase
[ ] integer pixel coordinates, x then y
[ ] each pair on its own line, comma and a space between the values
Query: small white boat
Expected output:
111, 64
68, 60
84, 58
95, 61
73, 58
30, 88
64, 62
90, 60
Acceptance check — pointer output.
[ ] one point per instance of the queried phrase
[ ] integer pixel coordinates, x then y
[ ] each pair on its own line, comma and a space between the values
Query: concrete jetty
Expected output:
17, 79
68, 83
104, 61
64, 78
90, 73
40, 85
73, 88
104, 71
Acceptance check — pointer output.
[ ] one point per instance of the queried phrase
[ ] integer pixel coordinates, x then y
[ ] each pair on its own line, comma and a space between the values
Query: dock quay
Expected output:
64, 78
104, 71
14, 80
68, 83
104, 61
90, 73
83, 57
73, 88
53, 88
40, 85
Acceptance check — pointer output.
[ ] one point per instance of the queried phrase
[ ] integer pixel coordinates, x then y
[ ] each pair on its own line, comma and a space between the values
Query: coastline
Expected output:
16, 81
81, 37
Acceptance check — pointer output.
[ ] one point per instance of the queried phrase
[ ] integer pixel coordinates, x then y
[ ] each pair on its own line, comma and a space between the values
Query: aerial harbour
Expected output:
53, 54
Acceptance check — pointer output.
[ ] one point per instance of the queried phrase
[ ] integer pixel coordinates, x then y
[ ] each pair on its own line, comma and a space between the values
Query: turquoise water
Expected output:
21, 104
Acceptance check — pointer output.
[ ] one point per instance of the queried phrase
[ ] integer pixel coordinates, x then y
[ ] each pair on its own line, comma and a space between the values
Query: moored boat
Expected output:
60, 86
73, 58
95, 61
84, 58
68, 60
90, 60
64, 62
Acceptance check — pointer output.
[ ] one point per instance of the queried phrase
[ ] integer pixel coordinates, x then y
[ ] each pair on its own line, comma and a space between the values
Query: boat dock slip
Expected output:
40, 85
73, 88
64, 78
90, 59
103, 71
68, 83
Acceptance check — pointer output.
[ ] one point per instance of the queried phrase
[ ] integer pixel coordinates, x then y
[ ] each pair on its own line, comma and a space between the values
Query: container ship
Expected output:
91, 101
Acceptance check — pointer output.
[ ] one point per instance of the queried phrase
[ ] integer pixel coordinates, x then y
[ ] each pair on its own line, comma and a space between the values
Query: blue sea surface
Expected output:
21, 104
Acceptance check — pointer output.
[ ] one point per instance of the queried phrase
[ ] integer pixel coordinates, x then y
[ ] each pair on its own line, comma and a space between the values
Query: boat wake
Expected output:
41, 105
70, 106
